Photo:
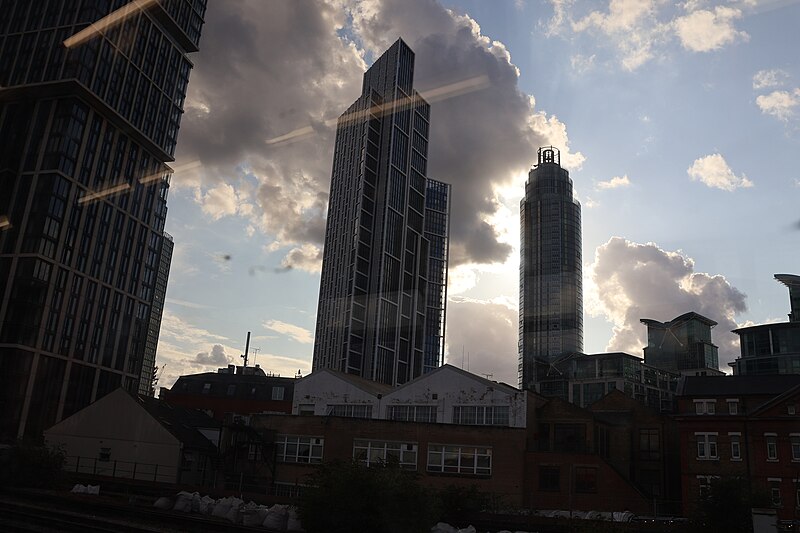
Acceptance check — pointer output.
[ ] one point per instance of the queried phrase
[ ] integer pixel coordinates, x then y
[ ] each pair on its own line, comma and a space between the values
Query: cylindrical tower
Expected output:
550, 291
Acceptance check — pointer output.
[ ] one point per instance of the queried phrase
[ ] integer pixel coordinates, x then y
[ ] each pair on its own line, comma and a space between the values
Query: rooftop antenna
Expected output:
246, 349
255, 353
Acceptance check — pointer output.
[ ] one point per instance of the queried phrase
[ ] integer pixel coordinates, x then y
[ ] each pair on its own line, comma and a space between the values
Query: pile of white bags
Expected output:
276, 518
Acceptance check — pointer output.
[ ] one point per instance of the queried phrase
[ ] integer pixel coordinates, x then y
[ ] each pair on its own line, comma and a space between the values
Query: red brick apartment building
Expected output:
566, 458
747, 426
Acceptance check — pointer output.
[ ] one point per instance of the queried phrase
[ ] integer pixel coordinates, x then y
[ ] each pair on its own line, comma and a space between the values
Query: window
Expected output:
705, 407
585, 479
412, 413
736, 447
350, 410
706, 445
775, 491
549, 478
794, 439
254, 452
277, 393
306, 409
649, 444
460, 459
299, 449
772, 446
206, 387
481, 415
371, 453
704, 485
733, 407
231, 390
791, 410
105, 455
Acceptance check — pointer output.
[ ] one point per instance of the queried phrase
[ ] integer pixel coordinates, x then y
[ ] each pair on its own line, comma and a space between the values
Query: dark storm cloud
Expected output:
636, 281
279, 71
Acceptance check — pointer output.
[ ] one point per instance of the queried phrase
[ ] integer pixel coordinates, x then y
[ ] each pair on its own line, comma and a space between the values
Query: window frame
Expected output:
460, 452
314, 443
705, 439
400, 447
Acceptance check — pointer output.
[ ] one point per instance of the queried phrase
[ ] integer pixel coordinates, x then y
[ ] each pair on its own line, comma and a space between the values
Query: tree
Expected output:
726, 506
346, 496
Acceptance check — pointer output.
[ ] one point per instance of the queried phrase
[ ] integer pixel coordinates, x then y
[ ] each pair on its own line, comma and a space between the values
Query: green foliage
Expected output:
727, 506
28, 465
456, 501
346, 497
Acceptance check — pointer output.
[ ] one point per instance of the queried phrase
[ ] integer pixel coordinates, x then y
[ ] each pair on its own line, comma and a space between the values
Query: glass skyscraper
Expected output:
91, 97
550, 284
384, 270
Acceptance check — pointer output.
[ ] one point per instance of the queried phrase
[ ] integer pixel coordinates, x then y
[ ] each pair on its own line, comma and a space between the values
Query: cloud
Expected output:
766, 79
705, 31
631, 281
308, 57
307, 257
640, 30
297, 333
780, 104
615, 183
631, 26
215, 357
492, 347
176, 329
713, 171
581, 63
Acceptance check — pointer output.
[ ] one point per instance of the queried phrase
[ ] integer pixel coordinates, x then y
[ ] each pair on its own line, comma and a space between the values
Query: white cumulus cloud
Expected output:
713, 171
780, 104
215, 357
615, 183
631, 281
706, 30
765, 79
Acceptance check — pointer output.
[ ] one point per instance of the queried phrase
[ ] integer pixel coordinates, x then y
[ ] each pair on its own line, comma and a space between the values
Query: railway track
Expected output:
48, 512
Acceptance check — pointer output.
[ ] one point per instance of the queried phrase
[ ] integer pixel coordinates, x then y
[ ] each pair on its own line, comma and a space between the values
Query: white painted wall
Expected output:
323, 388
451, 387
445, 388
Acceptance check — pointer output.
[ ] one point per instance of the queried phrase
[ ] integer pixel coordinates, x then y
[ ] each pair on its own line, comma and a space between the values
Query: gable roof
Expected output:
370, 387
794, 391
450, 368
181, 422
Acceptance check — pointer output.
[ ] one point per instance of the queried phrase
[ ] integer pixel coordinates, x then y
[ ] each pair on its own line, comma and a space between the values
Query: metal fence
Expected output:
121, 469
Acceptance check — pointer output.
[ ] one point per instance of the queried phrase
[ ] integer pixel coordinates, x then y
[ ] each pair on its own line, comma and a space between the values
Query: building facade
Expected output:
583, 379
745, 428
682, 345
384, 269
90, 106
446, 395
550, 291
235, 390
772, 348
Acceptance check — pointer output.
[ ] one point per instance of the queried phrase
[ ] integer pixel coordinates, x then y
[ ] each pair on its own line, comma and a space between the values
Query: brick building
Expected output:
232, 390
741, 426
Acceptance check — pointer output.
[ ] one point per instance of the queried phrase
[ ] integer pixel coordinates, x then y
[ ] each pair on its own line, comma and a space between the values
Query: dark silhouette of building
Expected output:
772, 348
236, 390
550, 292
384, 270
683, 345
89, 114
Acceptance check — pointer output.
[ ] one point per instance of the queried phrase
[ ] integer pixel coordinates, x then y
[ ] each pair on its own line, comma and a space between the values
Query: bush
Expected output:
346, 496
27, 465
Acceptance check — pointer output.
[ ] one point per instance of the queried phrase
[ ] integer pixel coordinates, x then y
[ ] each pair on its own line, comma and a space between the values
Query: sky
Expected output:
679, 124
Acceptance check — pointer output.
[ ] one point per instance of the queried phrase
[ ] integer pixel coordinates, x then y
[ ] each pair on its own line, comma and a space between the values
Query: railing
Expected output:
121, 469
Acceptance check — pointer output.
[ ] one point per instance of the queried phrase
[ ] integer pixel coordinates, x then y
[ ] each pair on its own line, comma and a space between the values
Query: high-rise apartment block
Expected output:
682, 345
550, 284
90, 106
384, 270
772, 348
